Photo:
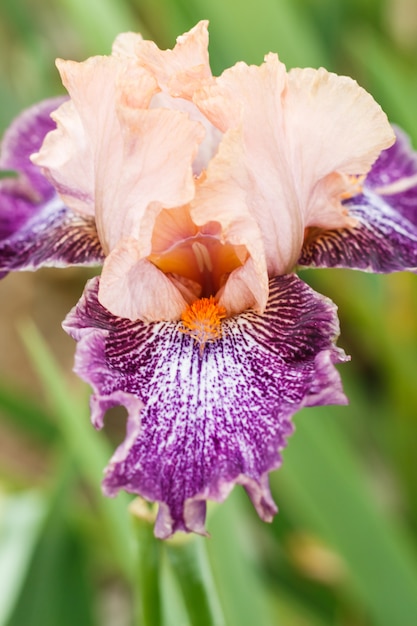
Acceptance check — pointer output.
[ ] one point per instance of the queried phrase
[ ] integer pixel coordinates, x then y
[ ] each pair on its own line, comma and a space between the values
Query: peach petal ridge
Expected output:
262, 152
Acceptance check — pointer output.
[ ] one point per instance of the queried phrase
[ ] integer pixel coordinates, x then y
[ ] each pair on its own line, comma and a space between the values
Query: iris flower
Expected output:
200, 196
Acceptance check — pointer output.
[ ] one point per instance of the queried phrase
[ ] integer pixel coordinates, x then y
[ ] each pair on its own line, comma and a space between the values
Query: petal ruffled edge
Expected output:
199, 423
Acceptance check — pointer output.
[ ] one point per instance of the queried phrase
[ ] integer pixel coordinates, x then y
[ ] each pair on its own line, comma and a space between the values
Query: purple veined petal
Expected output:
395, 166
19, 196
24, 137
385, 238
201, 422
54, 237
36, 228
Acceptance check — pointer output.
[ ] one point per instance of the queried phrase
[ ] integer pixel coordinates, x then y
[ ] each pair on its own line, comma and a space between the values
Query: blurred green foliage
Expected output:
343, 550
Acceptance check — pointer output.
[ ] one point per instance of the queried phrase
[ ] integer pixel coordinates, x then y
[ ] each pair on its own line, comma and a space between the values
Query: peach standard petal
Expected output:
153, 171
179, 73
140, 156
223, 196
65, 158
88, 129
245, 289
336, 127
136, 157
249, 99
132, 287
302, 134
125, 45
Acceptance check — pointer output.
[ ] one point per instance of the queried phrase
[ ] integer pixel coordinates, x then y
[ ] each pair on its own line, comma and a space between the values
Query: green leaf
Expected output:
26, 413
236, 570
323, 483
56, 588
391, 80
148, 568
89, 448
21, 517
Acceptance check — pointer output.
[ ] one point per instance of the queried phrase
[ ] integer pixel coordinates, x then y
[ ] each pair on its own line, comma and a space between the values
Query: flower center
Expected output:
196, 255
203, 260
202, 321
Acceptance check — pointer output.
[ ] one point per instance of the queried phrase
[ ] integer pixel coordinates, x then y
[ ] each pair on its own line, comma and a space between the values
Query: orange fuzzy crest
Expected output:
202, 320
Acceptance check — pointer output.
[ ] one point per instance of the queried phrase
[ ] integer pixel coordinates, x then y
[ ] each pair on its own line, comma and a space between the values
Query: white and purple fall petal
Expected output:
201, 421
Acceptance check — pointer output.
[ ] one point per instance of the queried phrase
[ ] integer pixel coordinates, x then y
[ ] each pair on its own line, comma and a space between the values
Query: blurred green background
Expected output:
343, 549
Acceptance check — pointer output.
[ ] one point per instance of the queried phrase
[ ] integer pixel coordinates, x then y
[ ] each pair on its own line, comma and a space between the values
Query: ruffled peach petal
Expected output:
337, 120
133, 288
88, 128
138, 156
66, 160
249, 98
225, 195
325, 199
336, 126
154, 171
102, 88
302, 134
212, 136
245, 289
180, 70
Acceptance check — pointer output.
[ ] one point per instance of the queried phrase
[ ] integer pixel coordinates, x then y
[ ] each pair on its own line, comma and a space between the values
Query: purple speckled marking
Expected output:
36, 228
198, 424
385, 239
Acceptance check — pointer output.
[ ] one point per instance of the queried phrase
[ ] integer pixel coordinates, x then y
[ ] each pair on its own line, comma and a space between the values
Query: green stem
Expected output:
191, 566
148, 565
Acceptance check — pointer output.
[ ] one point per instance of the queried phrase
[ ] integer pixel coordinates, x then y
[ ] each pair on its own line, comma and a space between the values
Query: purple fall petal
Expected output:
200, 422
36, 228
385, 238
395, 164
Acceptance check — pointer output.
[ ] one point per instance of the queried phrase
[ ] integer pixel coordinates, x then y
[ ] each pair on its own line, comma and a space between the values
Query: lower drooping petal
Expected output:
385, 236
36, 228
394, 176
54, 237
200, 421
